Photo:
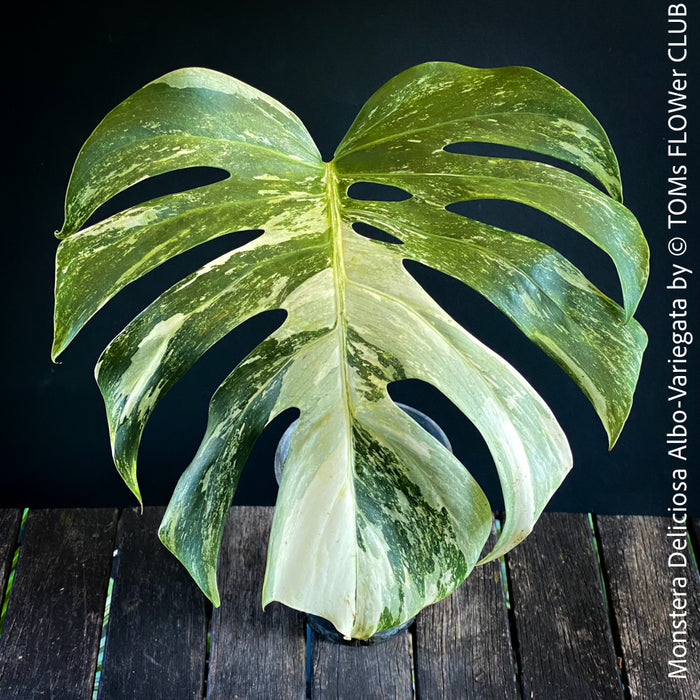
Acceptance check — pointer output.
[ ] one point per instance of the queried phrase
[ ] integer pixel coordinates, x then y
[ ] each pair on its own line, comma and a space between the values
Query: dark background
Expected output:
65, 68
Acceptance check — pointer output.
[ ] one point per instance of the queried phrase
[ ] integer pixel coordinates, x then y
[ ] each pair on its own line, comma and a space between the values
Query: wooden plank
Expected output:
463, 644
345, 672
565, 643
642, 586
10, 520
157, 630
54, 619
254, 654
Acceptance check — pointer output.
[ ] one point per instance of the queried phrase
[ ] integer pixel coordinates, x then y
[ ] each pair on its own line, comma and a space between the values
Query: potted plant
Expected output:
375, 519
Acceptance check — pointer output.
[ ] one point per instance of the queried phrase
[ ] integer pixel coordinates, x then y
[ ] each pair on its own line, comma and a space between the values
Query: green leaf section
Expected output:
375, 519
545, 295
439, 179
445, 103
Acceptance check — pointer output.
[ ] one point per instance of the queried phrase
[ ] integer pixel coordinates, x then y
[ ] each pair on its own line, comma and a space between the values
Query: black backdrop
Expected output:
65, 68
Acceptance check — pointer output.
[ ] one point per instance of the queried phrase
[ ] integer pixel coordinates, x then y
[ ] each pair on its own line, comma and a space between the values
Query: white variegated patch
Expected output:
375, 519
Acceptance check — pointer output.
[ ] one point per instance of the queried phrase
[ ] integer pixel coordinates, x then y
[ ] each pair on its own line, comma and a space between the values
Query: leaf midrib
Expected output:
335, 222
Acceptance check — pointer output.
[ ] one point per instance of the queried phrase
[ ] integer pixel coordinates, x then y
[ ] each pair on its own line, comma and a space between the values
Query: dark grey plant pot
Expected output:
320, 625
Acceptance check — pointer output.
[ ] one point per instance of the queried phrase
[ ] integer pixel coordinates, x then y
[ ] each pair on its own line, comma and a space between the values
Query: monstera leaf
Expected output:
375, 519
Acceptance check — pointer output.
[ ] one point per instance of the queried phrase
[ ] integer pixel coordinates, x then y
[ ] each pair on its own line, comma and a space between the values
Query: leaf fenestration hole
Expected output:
376, 192
157, 186
468, 445
374, 233
496, 150
475, 313
136, 296
257, 485
593, 262
176, 427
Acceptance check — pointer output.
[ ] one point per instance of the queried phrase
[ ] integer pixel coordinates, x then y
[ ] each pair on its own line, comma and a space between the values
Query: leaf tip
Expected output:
206, 580
128, 474
214, 597
614, 430
613, 438
60, 343
63, 330
203, 576
66, 230
134, 488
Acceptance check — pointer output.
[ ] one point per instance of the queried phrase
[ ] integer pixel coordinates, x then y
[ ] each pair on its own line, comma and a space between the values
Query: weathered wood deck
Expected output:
558, 626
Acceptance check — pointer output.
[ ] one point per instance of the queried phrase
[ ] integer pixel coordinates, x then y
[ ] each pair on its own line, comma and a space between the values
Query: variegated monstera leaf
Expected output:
374, 518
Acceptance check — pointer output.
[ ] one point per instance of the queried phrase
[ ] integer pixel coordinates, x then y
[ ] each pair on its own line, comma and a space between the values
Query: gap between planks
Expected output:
317, 671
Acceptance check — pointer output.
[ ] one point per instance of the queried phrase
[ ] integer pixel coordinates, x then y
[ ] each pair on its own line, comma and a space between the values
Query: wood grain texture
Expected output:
10, 520
635, 552
157, 631
54, 619
565, 644
463, 644
254, 654
368, 672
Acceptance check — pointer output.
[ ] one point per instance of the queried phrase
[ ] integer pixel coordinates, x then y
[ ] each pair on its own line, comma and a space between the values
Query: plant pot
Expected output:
320, 625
